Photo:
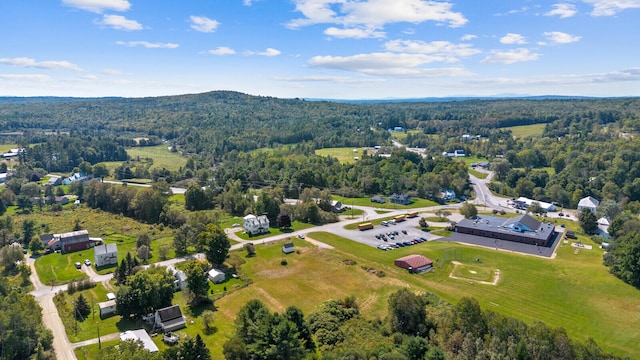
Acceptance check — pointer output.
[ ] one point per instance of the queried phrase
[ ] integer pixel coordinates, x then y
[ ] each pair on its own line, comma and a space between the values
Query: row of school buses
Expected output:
397, 219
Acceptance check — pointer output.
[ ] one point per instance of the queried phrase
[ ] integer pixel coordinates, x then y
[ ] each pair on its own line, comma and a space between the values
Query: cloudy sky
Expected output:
341, 49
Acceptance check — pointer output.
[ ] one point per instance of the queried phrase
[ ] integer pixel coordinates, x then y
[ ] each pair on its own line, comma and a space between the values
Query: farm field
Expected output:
344, 155
162, 157
534, 130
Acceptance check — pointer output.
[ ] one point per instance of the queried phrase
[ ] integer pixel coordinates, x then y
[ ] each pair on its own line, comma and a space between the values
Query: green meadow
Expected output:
366, 201
162, 157
344, 155
523, 131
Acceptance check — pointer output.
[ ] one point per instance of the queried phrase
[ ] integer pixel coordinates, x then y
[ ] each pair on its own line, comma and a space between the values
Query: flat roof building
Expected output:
523, 229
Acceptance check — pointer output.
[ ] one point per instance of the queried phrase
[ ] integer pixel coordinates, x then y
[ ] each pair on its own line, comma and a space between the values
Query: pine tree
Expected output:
81, 307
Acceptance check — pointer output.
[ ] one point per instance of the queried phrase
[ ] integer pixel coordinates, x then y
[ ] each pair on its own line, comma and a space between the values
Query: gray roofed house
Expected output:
254, 225
378, 199
402, 199
522, 223
588, 203
169, 319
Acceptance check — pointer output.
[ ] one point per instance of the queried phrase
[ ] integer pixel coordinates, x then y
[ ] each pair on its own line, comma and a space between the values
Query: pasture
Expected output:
524, 131
344, 155
162, 157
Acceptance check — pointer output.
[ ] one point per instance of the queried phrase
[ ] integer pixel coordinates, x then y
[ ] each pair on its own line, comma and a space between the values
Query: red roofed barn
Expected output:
414, 263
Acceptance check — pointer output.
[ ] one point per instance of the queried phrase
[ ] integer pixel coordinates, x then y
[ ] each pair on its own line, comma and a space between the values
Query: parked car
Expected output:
407, 243
236, 225
87, 262
78, 265
404, 232
301, 236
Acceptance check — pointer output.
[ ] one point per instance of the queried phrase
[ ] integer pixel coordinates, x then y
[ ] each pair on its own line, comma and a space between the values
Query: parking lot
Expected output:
402, 232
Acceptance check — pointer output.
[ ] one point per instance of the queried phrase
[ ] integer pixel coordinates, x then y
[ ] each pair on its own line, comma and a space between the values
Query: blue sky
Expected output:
341, 49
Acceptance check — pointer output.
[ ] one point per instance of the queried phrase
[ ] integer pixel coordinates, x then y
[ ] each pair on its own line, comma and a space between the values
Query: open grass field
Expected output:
573, 291
344, 155
59, 269
162, 157
366, 201
524, 131
5, 147
478, 174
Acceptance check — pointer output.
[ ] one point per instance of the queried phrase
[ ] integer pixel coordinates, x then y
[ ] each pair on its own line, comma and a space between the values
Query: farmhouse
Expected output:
588, 203
254, 225
216, 276
107, 308
142, 336
72, 241
522, 229
79, 176
169, 319
54, 180
414, 263
402, 199
106, 254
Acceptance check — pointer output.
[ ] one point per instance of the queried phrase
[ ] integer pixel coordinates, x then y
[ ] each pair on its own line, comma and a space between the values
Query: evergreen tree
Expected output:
81, 308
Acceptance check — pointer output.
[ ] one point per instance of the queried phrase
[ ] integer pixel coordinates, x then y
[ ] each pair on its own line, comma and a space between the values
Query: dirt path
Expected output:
52, 321
496, 276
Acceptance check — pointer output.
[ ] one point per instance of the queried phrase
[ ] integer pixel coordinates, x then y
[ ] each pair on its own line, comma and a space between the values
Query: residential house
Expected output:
288, 248
337, 206
79, 176
4, 177
255, 225
107, 308
54, 180
169, 319
216, 276
106, 254
142, 336
401, 199
180, 281
588, 203
378, 199
447, 195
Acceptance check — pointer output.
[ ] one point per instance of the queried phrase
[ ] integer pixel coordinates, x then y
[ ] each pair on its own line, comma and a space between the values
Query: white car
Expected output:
87, 262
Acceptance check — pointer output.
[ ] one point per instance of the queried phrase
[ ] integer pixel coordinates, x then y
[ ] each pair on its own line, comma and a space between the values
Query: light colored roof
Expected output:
543, 205
589, 202
111, 296
106, 304
105, 249
214, 272
525, 220
140, 334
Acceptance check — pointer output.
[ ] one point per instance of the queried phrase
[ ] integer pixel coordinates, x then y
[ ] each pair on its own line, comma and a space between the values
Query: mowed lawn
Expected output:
162, 157
574, 291
366, 201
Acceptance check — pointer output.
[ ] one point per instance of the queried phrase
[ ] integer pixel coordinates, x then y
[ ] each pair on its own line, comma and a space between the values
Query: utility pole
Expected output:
99, 343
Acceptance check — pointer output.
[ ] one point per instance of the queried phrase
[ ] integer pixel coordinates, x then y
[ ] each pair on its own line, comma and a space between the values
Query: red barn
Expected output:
414, 263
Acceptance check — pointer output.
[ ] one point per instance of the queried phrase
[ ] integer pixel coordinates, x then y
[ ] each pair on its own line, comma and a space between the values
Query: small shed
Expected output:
216, 276
111, 296
288, 248
414, 263
107, 308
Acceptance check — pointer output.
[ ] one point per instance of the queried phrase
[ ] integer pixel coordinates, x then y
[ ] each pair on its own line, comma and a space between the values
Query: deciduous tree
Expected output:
215, 244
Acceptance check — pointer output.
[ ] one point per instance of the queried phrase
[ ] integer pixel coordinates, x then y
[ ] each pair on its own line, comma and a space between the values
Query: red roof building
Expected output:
414, 263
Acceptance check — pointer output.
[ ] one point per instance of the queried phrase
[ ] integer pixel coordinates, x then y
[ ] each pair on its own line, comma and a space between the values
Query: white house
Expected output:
588, 203
107, 308
216, 276
106, 254
254, 225
180, 281
169, 319
140, 335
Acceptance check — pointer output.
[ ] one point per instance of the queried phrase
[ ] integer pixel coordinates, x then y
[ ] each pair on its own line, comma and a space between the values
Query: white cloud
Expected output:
354, 33
111, 72
611, 7
374, 13
468, 37
557, 37
221, 50
511, 38
327, 78
448, 51
510, 57
50, 65
119, 22
387, 64
562, 10
203, 24
98, 6
89, 77
30, 77
148, 45
267, 52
